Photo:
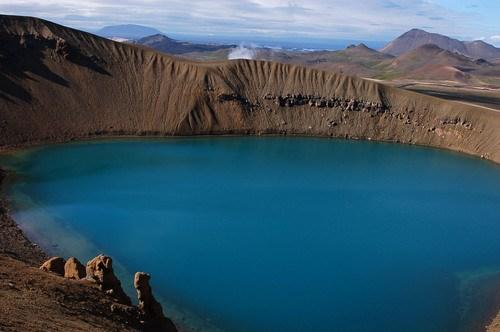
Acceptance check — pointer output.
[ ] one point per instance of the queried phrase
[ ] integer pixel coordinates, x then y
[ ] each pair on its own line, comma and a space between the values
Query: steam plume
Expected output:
242, 52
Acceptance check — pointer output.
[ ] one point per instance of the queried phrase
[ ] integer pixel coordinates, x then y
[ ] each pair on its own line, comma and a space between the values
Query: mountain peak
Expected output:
416, 38
359, 47
363, 46
415, 31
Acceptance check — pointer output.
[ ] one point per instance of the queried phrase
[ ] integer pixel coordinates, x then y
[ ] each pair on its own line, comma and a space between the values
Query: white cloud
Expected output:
494, 40
333, 19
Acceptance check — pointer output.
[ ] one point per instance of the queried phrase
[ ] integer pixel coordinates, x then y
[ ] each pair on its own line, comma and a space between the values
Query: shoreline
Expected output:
14, 242
6, 149
25, 249
480, 300
33, 251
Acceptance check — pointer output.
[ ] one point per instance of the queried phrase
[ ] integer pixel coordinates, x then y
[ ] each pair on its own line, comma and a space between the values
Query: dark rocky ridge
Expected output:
168, 45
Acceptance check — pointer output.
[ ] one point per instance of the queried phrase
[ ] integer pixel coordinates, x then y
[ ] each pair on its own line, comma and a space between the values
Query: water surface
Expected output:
274, 234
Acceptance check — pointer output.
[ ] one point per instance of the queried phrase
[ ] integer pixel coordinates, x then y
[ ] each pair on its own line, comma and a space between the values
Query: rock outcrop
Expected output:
32, 300
73, 269
100, 271
149, 308
146, 316
54, 265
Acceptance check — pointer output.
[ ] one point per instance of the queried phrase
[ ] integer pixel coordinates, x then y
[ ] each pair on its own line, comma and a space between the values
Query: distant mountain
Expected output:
358, 60
430, 62
480, 49
165, 44
431, 54
127, 31
427, 62
363, 51
416, 38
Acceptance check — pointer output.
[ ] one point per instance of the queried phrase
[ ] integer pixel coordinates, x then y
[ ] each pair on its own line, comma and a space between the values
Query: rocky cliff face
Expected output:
60, 84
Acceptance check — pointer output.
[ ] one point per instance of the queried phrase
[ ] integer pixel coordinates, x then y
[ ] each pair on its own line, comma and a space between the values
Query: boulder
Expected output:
73, 269
54, 265
100, 271
149, 308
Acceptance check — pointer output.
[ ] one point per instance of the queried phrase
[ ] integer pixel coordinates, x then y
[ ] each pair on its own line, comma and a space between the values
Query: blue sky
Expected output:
298, 19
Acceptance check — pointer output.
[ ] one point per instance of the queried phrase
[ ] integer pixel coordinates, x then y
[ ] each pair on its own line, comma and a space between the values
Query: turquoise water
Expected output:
274, 234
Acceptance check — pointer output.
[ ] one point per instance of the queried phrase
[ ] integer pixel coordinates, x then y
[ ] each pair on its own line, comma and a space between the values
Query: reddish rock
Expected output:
73, 269
54, 265
100, 271
150, 309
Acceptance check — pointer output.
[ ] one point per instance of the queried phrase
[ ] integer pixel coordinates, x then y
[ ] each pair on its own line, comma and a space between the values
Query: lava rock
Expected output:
150, 309
73, 269
54, 265
100, 271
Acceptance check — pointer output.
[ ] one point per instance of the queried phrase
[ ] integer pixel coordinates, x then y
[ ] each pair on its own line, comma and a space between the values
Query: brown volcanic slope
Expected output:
59, 84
